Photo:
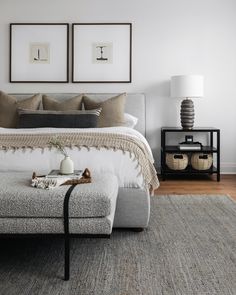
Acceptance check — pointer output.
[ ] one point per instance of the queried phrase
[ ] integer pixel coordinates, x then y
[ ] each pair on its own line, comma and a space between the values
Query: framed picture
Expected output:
39, 53
102, 52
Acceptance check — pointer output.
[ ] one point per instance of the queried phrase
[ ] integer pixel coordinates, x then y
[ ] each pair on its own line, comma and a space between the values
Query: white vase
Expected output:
67, 166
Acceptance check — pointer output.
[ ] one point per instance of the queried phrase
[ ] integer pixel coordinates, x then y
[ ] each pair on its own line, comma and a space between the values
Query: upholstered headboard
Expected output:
135, 104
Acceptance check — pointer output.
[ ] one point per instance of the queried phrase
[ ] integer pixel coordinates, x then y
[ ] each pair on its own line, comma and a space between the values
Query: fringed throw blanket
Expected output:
113, 141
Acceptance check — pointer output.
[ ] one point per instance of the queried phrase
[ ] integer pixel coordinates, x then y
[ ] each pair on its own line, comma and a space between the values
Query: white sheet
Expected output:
125, 168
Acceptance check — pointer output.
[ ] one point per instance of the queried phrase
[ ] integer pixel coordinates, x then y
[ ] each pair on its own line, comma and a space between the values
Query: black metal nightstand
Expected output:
212, 148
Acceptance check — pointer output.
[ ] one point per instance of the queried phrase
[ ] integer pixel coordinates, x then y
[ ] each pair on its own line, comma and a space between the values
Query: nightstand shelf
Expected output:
189, 169
212, 148
176, 149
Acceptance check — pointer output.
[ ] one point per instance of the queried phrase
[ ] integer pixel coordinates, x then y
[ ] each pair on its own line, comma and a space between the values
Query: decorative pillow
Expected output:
130, 120
112, 110
74, 103
9, 105
58, 119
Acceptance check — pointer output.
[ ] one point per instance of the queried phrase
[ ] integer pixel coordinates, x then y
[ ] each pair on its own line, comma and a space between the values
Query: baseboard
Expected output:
225, 167
227, 173
228, 168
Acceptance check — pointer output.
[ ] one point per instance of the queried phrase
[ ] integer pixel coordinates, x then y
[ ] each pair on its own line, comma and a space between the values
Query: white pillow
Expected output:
130, 121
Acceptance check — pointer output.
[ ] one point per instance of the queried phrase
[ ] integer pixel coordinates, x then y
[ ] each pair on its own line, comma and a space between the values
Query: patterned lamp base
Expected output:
187, 114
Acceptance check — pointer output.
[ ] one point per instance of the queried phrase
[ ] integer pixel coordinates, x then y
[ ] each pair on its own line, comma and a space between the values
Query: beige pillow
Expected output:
112, 110
9, 105
74, 103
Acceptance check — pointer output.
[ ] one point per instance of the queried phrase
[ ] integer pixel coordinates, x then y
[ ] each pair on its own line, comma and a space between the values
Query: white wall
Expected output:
170, 37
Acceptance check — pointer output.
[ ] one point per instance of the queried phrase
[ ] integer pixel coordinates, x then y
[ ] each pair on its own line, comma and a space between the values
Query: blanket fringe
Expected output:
136, 148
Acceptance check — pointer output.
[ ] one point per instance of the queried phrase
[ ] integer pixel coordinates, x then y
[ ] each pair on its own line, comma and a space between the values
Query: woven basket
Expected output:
177, 161
201, 161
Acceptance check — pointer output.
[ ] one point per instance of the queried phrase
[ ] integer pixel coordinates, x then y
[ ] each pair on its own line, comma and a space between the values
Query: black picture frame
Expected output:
85, 69
32, 73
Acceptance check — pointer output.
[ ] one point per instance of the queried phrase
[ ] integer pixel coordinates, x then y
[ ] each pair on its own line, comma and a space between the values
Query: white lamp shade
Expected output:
187, 86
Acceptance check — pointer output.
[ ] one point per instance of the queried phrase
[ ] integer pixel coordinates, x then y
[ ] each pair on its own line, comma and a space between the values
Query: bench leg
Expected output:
67, 233
67, 258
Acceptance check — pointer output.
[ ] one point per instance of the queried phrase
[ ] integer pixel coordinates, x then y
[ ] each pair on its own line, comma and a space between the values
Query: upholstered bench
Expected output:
28, 210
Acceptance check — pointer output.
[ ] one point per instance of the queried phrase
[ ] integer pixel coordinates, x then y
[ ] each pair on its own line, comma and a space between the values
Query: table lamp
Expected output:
187, 87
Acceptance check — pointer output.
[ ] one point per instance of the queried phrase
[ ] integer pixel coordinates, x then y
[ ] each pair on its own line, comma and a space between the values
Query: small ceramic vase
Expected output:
67, 166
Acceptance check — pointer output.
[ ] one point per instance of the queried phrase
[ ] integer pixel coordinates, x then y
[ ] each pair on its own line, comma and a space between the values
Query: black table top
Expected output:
180, 129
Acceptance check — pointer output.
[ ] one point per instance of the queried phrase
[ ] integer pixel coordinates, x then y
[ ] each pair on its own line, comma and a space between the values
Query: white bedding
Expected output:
42, 161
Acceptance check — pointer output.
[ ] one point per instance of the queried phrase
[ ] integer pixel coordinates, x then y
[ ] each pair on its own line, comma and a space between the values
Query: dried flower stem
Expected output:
55, 142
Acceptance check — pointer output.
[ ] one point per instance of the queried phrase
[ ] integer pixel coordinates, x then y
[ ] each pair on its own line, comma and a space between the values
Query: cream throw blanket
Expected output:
113, 141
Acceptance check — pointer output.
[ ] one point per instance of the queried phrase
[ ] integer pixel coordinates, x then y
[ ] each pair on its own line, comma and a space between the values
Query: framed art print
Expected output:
102, 52
39, 52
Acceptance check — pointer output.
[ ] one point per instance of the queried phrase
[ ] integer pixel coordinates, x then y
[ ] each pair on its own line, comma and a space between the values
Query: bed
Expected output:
120, 150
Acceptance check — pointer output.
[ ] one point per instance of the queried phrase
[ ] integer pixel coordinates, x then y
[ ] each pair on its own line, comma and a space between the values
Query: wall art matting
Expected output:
102, 52
39, 52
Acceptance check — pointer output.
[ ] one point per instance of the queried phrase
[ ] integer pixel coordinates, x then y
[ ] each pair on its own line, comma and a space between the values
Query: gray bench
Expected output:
27, 210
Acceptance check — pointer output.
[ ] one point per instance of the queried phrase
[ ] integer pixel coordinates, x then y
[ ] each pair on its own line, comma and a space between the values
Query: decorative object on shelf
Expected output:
200, 161
39, 52
177, 161
67, 165
187, 87
190, 146
188, 139
102, 52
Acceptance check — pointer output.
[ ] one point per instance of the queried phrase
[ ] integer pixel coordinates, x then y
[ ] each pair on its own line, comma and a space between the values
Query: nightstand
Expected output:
212, 147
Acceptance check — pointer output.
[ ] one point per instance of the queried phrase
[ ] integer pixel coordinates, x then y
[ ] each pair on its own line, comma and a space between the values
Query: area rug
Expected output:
188, 249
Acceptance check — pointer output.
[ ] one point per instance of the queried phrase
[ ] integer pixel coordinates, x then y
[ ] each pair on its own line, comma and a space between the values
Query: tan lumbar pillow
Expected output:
9, 105
74, 103
112, 110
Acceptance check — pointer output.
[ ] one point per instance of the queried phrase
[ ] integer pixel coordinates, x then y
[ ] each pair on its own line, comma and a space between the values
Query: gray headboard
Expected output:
135, 104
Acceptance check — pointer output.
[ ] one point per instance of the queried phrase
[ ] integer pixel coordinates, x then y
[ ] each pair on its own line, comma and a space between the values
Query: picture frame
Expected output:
39, 53
101, 52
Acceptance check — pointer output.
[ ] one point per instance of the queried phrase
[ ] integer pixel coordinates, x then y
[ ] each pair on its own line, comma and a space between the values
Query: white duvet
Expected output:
126, 168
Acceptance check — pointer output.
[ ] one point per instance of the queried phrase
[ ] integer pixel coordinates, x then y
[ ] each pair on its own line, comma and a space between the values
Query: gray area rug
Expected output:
189, 248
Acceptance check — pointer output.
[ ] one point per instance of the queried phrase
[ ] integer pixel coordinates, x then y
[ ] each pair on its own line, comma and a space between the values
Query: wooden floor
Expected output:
207, 185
